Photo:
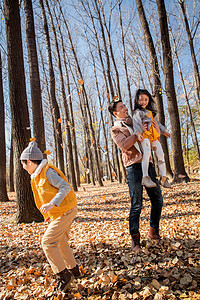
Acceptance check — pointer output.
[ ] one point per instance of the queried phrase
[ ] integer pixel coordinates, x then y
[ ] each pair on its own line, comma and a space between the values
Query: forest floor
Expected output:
101, 243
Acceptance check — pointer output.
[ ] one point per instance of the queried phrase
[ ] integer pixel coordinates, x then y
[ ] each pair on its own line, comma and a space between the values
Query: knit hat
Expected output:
32, 152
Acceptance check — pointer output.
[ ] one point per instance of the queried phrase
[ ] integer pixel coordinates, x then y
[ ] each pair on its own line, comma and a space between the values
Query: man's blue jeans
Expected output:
134, 178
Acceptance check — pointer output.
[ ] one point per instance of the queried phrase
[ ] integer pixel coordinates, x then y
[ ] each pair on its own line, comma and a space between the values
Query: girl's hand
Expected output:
156, 126
167, 134
46, 207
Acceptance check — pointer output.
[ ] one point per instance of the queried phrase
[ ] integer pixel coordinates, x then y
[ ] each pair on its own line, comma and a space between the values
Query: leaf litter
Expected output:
101, 244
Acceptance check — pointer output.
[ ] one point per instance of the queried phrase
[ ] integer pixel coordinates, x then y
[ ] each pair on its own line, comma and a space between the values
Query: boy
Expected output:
57, 201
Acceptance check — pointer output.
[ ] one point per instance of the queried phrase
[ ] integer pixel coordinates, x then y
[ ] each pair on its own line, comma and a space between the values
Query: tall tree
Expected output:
177, 154
54, 104
189, 111
38, 120
3, 190
85, 103
190, 39
156, 79
66, 108
26, 209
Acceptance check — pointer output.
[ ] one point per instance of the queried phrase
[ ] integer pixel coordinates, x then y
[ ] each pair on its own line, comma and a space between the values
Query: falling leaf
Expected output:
104, 147
32, 139
107, 122
65, 132
79, 93
87, 171
84, 159
101, 108
80, 81
59, 120
47, 152
114, 98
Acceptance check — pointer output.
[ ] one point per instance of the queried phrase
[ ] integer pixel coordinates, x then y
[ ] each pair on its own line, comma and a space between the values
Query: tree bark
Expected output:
194, 60
54, 104
11, 166
3, 189
38, 120
86, 103
26, 209
156, 80
177, 154
67, 118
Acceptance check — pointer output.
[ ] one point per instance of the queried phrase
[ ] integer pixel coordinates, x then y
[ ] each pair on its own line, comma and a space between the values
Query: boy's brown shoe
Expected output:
64, 278
76, 272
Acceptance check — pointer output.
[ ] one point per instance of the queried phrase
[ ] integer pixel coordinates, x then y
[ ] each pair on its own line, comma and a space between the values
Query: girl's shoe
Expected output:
146, 180
164, 182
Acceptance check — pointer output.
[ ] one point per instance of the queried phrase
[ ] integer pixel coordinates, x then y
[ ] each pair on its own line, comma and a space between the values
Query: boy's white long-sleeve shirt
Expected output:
58, 182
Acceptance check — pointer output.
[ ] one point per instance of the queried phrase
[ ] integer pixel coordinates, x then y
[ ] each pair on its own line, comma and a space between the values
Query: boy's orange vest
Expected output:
44, 192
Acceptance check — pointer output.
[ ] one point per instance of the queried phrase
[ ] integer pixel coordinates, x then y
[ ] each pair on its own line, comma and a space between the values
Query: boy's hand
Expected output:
46, 207
140, 137
167, 134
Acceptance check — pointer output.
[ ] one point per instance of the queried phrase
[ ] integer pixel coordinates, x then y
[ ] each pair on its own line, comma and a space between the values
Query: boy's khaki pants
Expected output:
55, 242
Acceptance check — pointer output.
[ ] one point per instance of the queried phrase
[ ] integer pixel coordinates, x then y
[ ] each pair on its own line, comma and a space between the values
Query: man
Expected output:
127, 141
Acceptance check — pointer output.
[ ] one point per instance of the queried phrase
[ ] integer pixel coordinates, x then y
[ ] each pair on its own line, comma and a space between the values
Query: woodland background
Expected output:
64, 61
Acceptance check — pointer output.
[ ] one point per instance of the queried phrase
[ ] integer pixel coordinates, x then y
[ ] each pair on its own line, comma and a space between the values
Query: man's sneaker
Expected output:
164, 182
146, 180
75, 272
64, 278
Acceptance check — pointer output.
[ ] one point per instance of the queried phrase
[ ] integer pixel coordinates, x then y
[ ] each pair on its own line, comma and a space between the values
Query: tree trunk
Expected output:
54, 104
3, 189
194, 60
156, 80
67, 118
108, 72
26, 209
11, 166
125, 61
86, 103
38, 120
177, 154
186, 98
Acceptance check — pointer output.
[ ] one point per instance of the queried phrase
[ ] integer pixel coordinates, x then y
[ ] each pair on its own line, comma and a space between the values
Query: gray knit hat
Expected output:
32, 152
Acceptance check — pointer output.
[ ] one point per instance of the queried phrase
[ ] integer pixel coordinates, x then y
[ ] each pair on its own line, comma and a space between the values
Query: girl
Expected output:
144, 112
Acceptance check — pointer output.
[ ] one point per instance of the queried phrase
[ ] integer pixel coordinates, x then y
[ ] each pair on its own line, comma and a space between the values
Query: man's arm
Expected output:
122, 141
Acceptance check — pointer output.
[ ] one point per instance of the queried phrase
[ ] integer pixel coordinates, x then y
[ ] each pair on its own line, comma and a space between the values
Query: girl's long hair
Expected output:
151, 104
